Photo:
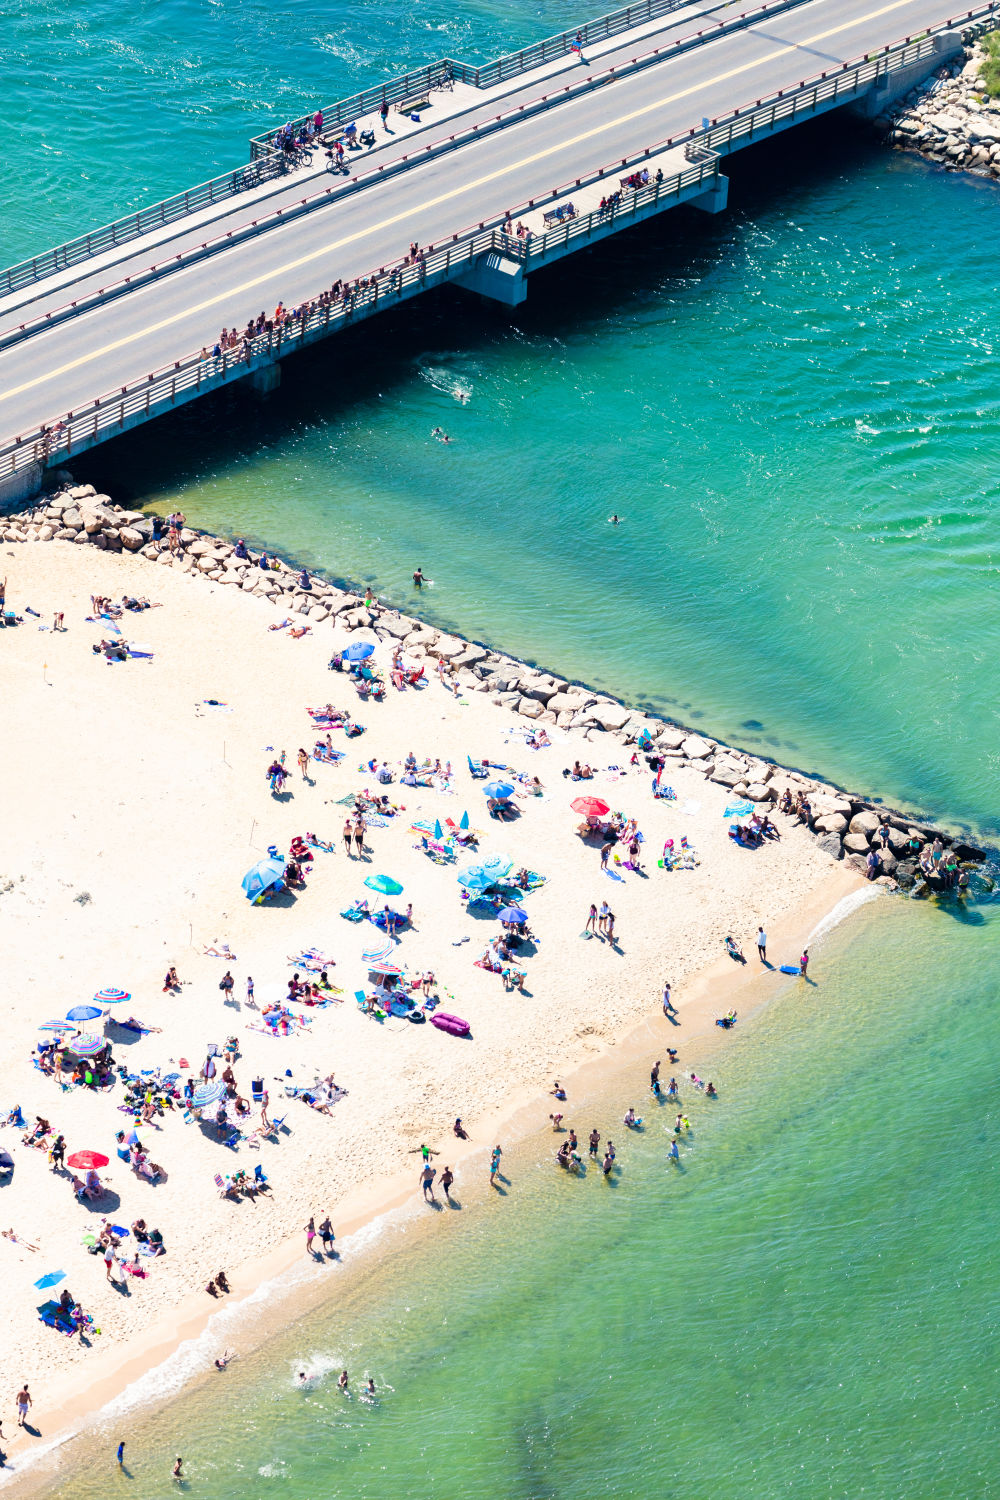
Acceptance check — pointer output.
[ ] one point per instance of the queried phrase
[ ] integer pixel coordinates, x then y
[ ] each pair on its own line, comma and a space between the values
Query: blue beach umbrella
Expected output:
265, 873
496, 865
501, 790
438, 831
513, 914
463, 822
357, 651
111, 996
208, 1093
384, 884
475, 878
55, 1026
51, 1278
83, 1013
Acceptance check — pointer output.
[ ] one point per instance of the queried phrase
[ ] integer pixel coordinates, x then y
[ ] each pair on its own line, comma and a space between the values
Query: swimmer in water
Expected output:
342, 1381
370, 1387
614, 520
224, 1358
441, 435
711, 1091
178, 1469
630, 1118
303, 1378
674, 1154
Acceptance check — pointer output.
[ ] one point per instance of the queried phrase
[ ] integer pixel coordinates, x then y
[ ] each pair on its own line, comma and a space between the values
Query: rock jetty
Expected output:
951, 119
846, 824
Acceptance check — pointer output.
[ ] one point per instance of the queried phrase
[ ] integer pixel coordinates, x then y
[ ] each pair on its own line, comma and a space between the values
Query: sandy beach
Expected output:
136, 811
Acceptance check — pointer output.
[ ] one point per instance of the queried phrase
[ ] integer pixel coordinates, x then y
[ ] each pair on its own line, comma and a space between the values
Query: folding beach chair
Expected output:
476, 767
260, 1177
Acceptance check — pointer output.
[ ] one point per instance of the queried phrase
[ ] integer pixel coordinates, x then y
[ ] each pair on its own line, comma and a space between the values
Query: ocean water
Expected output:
794, 408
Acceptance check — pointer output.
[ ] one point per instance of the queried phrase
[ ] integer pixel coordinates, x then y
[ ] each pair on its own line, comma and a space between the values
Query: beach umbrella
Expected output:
83, 1013
387, 968
208, 1093
357, 651
111, 996
496, 865
55, 1026
501, 790
384, 884
475, 878
592, 807
438, 832
51, 1278
87, 1160
6, 1161
265, 874
513, 914
87, 1044
376, 951
463, 822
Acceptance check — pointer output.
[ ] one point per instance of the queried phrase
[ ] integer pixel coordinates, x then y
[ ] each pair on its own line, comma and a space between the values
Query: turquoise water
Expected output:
794, 406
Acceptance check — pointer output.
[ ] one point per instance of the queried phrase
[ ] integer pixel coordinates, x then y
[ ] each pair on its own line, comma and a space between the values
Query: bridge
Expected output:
475, 176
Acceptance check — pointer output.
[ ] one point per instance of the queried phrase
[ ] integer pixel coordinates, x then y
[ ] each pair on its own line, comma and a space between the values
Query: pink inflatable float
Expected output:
452, 1024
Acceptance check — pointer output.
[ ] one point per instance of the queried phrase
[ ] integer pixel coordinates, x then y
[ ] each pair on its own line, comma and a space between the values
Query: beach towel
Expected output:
738, 810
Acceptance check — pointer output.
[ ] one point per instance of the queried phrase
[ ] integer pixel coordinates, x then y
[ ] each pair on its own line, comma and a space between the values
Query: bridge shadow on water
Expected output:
666, 260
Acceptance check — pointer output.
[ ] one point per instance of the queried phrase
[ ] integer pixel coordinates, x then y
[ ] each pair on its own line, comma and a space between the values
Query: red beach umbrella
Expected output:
591, 806
87, 1160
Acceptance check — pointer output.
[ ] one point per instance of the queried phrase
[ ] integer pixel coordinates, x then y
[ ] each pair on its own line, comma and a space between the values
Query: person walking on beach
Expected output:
326, 1235
348, 836
303, 759
447, 1178
668, 1004
23, 1401
359, 838
762, 945
602, 916
310, 1236
605, 851
674, 1154
57, 620
495, 1164
609, 928
427, 1176
120, 1455
592, 919
654, 1073
804, 963
595, 1141
265, 1100
250, 999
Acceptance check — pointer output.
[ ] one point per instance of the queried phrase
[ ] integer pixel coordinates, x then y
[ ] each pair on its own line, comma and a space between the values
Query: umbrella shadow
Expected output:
108, 1202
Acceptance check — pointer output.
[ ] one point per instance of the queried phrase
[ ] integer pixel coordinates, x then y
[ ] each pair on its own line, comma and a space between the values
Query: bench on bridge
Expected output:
557, 215
411, 106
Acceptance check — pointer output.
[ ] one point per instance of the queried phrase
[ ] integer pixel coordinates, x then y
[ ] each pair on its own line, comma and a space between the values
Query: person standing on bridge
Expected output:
577, 47
383, 111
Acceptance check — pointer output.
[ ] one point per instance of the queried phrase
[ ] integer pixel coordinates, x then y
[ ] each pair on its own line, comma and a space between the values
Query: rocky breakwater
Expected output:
846, 824
952, 119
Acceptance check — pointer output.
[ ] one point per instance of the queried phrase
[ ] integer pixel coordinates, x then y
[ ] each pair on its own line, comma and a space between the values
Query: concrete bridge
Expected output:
490, 172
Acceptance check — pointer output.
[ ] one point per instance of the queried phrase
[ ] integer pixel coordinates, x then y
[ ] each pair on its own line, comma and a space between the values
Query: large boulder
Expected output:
611, 715
831, 823
695, 748
760, 791
83, 536
830, 844
726, 777
531, 708
395, 625
856, 843
131, 539
865, 822
72, 517
471, 656
670, 737
573, 700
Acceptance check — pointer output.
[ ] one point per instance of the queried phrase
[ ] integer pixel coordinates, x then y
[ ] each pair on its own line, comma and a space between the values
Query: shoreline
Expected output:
844, 822
377, 1214
950, 119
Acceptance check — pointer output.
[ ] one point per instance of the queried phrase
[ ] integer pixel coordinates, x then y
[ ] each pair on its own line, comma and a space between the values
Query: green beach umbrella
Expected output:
384, 884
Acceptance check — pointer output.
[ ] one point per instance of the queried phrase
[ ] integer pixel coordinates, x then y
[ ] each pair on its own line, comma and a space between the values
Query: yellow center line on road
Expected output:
465, 187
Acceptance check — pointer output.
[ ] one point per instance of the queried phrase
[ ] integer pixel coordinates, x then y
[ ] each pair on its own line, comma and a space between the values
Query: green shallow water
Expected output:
794, 407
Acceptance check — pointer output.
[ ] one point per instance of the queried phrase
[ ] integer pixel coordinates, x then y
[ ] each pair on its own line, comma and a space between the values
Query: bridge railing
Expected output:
511, 65
266, 165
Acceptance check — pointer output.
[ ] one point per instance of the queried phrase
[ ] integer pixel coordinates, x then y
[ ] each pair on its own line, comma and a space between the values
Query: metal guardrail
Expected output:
511, 65
193, 375
266, 166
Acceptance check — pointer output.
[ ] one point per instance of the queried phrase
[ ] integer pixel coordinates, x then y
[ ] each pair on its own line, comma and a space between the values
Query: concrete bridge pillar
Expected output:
266, 379
16, 488
715, 200
495, 276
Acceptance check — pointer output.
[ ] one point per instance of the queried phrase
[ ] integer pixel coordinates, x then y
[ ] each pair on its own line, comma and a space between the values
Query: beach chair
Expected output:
222, 1186
260, 1178
233, 1140
476, 768
397, 679
360, 997
257, 1090
279, 1125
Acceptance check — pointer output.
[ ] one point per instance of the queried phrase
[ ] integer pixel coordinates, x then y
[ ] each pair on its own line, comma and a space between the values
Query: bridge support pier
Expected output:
496, 277
266, 379
22, 485
715, 200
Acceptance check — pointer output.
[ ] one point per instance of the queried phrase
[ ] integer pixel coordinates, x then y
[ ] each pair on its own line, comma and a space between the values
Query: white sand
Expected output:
116, 787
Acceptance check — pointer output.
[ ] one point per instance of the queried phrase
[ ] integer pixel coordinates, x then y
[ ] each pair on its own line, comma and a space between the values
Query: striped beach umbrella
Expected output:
497, 865
87, 1044
386, 968
208, 1093
111, 996
384, 884
55, 1026
376, 951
